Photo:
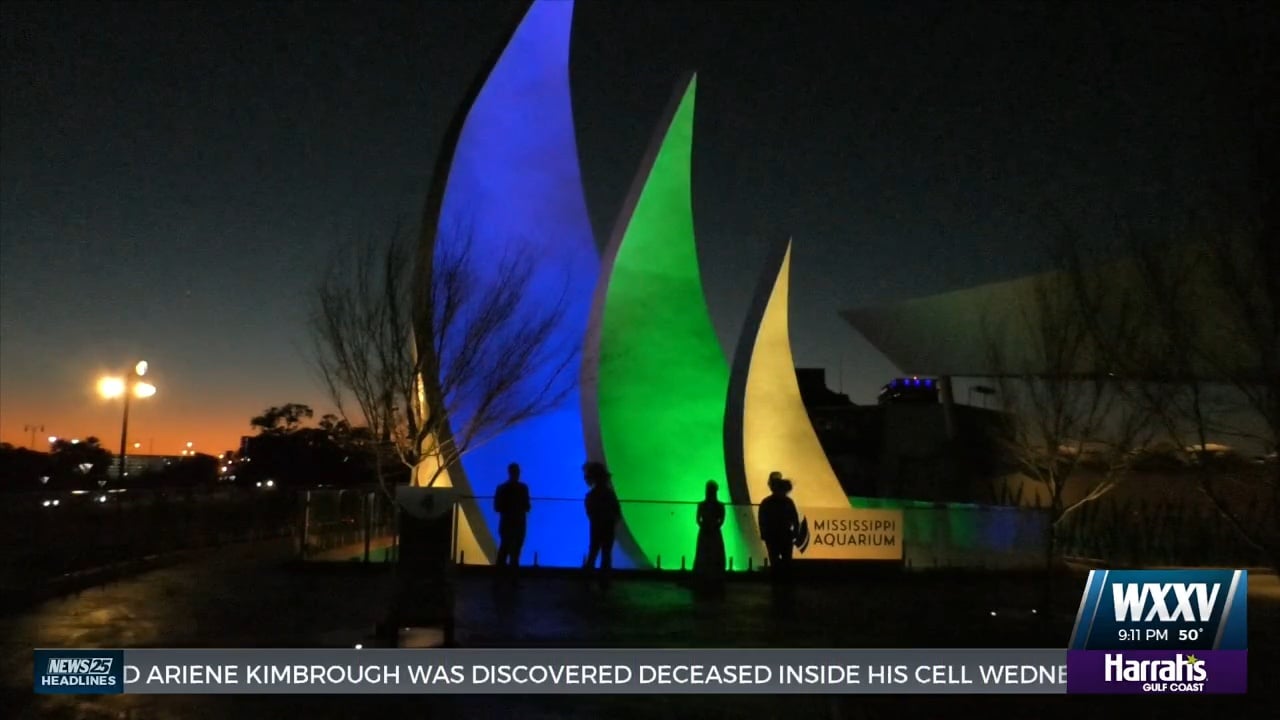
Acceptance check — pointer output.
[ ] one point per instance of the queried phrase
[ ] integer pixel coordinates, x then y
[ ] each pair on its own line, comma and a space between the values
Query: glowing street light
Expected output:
111, 387
114, 387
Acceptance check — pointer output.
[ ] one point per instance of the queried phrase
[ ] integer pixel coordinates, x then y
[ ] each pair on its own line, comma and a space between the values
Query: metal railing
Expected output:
346, 524
359, 525
50, 534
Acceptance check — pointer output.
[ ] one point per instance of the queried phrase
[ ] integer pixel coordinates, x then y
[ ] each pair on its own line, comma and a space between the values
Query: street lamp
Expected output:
114, 387
33, 429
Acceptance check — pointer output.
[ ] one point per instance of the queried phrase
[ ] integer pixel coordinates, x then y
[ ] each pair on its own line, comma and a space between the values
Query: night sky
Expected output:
175, 174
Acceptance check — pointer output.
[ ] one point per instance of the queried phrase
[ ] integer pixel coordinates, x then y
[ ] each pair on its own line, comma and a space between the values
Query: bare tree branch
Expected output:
1204, 354
435, 369
1065, 420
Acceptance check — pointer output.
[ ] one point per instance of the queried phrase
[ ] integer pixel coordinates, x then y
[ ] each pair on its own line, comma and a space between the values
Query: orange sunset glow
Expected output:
168, 408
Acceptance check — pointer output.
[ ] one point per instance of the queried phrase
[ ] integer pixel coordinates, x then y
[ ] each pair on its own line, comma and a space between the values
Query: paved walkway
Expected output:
245, 599
377, 550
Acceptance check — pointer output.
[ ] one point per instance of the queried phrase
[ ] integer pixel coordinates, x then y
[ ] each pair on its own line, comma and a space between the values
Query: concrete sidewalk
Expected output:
18, 597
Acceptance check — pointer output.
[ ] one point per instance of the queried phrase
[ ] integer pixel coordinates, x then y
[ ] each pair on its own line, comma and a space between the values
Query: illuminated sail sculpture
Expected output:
654, 375
767, 427
514, 191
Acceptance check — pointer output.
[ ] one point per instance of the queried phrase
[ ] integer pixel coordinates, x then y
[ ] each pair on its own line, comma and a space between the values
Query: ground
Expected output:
244, 597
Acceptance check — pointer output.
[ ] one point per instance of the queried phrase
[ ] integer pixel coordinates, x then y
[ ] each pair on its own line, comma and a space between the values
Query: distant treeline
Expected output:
283, 454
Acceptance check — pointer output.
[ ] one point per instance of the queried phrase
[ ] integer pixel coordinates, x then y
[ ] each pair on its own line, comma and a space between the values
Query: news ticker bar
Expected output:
639, 671
553, 671
581, 671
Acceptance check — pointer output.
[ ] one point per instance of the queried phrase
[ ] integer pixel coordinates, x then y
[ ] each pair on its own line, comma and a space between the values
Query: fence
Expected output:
1137, 532
71, 531
958, 535
52, 534
347, 524
359, 525
1159, 518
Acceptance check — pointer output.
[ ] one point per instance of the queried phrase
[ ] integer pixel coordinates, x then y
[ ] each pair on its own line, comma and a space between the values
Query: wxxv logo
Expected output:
1161, 631
83, 672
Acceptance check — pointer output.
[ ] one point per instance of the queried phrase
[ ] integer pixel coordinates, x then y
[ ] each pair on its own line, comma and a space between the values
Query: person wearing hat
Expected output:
779, 522
603, 514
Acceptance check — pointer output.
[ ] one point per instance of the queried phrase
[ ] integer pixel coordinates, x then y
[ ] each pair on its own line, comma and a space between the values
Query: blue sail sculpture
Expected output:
513, 197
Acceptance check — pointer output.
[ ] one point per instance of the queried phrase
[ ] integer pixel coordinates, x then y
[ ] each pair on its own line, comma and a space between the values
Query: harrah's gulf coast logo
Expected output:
79, 671
1179, 669
1154, 631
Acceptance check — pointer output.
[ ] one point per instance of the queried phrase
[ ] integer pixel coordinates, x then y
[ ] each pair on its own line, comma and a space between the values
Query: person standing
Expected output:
779, 524
511, 501
603, 513
708, 561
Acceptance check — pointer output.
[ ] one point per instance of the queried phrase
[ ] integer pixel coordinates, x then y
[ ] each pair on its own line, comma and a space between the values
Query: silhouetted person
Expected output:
511, 501
708, 561
779, 524
603, 513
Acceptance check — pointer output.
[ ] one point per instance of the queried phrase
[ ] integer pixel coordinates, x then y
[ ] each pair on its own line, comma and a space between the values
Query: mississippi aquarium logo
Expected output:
81, 672
1161, 631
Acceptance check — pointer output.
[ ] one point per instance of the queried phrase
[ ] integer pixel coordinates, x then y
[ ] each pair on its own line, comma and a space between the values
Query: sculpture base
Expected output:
423, 606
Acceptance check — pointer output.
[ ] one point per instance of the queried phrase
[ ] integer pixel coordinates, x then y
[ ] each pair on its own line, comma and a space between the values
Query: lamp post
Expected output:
33, 429
133, 385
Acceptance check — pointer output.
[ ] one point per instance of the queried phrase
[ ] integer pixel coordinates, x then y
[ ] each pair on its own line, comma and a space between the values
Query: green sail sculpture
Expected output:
654, 375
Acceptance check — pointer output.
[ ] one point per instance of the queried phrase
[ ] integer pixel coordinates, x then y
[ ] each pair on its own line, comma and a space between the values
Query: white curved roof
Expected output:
1011, 328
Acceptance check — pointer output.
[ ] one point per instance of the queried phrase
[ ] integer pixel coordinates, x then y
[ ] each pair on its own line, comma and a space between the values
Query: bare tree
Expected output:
1066, 422
1210, 291
1205, 356
471, 338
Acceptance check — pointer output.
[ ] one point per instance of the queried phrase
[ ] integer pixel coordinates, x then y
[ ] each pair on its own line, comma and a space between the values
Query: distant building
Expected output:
910, 390
135, 465
901, 446
849, 433
814, 391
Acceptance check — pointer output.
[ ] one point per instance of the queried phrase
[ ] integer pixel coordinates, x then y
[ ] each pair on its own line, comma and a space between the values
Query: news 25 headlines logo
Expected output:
79, 672
1161, 631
